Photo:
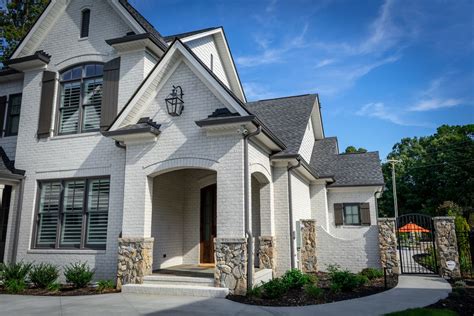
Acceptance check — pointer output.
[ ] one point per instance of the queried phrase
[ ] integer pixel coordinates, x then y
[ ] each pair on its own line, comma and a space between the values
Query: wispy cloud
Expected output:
394, 115
256, 91
435, 103
325, 62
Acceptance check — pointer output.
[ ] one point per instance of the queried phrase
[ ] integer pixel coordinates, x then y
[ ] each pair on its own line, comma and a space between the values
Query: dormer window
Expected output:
85, 21
81, 99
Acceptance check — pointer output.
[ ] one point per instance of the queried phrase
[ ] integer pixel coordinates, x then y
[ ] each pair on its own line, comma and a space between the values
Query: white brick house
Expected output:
94, 159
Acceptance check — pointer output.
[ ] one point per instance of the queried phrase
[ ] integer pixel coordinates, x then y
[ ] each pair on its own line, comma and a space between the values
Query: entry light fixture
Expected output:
174, 101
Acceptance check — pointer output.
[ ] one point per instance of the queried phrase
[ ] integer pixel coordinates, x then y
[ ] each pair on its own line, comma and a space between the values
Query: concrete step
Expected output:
176, 290
177, 280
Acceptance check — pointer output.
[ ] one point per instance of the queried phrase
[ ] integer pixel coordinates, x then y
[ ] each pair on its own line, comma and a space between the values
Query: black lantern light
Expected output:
174, 102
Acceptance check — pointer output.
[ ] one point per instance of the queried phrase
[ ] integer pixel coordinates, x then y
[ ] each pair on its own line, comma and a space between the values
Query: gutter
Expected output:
248, 226
290, 211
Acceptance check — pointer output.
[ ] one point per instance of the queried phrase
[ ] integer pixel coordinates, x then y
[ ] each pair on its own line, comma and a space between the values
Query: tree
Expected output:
433, 169
353, 150
15, 22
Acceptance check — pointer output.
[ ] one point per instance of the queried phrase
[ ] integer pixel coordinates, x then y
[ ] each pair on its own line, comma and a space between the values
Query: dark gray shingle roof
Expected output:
286, 117
347, 169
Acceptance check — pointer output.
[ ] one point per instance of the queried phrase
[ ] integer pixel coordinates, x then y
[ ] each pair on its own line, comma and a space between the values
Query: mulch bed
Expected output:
460, 300
297, 297
64, 291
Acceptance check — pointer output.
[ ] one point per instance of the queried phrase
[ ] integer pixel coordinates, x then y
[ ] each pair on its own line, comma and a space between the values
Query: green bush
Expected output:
78, 274
372, 273
255, 292
295, 279
15, 271
343, 280
275, 288
14, 286
313, 291
103, 285
44, 274
54, 287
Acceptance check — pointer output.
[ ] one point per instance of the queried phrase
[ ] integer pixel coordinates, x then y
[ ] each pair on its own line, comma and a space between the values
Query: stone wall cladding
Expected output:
135, 260
267, 253
308, 259
388, 245
231, 264
446, 246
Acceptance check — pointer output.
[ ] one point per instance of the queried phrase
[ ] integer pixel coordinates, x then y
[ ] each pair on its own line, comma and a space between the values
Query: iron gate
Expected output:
416, 246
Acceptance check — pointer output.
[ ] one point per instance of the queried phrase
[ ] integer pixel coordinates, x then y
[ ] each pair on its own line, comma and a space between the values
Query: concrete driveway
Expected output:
412, 291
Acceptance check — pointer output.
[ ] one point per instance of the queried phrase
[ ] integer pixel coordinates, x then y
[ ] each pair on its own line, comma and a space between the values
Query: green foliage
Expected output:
103, 285
78, 274
255, 292
343, 280
353, 150
15, 286
275, 288
313, 291
433, 169
54, 287
43, 274
15, 271
372, 273
16, 21
294, 279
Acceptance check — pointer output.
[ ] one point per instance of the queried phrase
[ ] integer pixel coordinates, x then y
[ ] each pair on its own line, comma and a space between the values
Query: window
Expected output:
13, 116
81, 99
86, 17
351, 214
73, 213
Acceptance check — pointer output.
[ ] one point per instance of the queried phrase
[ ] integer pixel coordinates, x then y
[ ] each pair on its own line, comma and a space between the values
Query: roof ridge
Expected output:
367, 152
287, 97
189, 33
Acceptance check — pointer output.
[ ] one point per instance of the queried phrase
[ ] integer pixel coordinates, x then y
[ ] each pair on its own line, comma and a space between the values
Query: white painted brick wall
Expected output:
319, 204
301, 202
307, 144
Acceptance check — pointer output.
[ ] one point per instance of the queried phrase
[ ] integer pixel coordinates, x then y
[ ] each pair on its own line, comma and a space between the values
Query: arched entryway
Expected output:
184, 218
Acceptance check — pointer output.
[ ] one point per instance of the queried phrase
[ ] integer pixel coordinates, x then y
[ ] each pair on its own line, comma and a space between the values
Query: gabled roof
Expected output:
358, 169
287, 117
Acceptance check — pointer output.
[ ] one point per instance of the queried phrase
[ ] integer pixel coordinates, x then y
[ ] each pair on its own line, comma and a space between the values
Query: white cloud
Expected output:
380, 111
435, 103
255, 91
325, 62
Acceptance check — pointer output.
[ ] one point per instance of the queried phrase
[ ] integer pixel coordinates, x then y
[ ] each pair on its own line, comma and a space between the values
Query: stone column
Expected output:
388, 245
231, 264
267, 253
308, 246
446, 246
135, 260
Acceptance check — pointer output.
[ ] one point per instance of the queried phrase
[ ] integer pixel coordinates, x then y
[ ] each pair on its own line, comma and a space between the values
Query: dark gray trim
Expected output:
3, 111
39, 55
334, 185
132, 38
46, 103
224, 120
169, 38
8, 71
110, 91
131, 131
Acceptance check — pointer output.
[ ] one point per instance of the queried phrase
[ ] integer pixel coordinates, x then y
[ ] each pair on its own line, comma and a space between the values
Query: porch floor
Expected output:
188, 270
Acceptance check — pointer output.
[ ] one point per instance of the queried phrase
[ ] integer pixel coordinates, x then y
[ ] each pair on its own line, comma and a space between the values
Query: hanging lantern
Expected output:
174, 102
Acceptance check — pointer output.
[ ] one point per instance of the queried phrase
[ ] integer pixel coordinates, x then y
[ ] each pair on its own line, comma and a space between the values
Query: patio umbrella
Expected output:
413, 228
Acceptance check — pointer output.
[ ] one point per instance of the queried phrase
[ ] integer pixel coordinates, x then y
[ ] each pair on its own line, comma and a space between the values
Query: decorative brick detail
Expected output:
267, 253
308, 246
388, 245
231, 264
135, 260
446, 246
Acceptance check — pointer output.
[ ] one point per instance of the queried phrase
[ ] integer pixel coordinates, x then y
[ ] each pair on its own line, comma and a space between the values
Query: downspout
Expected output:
248, 226
17, 220
120, 145
290, 215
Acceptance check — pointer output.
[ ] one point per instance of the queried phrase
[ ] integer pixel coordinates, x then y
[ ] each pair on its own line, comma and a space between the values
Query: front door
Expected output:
208, 223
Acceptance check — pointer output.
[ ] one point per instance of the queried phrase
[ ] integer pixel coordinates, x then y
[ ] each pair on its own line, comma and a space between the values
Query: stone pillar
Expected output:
135, 260
388, 245
446, 246
231, 264
267, 253
308, 246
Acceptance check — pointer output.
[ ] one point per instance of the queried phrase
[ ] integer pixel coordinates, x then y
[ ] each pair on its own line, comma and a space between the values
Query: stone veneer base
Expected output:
308, 246
231, 264
135, 260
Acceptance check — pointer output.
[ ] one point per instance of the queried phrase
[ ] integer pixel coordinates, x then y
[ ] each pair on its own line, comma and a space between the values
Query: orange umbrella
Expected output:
413, 228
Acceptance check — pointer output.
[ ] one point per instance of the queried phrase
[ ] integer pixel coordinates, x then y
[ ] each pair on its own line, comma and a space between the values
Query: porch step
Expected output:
177, 280
176, 290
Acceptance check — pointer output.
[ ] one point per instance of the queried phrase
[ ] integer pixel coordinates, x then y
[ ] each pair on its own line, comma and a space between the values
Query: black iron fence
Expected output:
466, 252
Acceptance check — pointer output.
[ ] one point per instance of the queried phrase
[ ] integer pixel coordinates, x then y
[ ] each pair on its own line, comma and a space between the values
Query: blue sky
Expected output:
383, 69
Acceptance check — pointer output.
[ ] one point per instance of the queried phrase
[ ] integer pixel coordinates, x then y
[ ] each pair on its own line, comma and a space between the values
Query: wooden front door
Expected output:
208, 223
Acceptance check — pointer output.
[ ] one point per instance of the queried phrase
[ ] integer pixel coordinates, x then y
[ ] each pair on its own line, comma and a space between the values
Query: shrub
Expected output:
295, 279
43, 274
15, 271
275, 288
343, 280
54, 287
313, 291
15, 286
103, 285
78, 274
372, 273
255, 292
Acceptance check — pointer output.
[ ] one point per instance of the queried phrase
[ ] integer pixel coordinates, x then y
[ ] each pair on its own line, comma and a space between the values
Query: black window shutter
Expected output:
46, 103
338, 217
110, 93
86, 16
3, 108
365, 213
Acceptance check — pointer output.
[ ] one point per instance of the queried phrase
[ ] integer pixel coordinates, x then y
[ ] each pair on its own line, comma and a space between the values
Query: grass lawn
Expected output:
424, 312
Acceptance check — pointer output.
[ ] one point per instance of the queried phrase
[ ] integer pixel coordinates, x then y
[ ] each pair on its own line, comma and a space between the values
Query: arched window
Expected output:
81, 99
85, 21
